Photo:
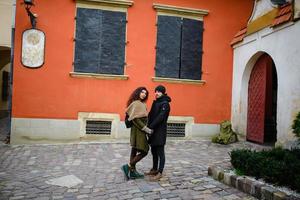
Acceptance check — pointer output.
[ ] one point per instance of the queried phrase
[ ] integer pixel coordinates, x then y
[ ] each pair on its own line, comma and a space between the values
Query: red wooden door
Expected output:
257, 99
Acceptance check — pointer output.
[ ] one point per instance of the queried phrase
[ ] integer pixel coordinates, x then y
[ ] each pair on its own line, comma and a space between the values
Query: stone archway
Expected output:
262, 101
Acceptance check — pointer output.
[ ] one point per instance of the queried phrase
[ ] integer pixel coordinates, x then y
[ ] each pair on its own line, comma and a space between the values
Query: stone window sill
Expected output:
180, 81
98, 76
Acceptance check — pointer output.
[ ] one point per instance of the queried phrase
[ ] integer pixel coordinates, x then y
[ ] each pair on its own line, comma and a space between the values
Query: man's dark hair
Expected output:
161, 89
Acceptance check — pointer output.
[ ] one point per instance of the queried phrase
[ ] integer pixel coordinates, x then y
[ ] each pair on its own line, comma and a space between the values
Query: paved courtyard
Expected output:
4, 128
29, 172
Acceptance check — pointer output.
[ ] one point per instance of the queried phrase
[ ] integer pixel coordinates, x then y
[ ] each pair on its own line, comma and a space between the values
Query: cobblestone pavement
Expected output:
3, 128
24, 170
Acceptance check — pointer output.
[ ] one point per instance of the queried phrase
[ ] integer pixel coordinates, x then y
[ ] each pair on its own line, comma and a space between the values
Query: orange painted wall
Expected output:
49, 92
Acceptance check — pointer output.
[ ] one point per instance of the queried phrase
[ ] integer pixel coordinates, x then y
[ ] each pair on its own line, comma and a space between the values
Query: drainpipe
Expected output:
12, 52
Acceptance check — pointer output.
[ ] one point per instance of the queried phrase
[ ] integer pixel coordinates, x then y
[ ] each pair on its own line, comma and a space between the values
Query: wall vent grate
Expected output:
176, 129
98, 127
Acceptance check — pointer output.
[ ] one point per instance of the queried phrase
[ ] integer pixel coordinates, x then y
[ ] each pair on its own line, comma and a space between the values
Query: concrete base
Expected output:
32, 130
27, 131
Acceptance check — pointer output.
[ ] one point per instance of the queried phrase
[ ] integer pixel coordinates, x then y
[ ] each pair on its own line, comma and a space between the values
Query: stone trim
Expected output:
114, 118
102, 4
180, 11
98, 76
176, 80
188, 121
247, 185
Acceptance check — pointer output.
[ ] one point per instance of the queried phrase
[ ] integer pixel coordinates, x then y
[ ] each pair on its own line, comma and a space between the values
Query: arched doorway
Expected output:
262, 102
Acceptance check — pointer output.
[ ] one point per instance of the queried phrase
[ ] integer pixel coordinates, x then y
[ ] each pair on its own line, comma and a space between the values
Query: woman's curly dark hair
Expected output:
135, 95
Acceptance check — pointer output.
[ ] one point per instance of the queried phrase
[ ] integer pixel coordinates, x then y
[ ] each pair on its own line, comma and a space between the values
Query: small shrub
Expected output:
296, 126
239, 172
278, 166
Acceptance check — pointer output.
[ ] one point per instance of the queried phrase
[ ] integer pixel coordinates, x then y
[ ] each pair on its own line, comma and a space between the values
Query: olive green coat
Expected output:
138, 138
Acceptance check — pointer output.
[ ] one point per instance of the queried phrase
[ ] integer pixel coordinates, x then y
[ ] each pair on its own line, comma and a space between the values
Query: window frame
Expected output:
182, 12
107, 5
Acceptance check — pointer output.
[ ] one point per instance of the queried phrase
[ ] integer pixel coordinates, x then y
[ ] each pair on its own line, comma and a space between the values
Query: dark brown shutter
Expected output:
191, 49
168, 47
113, 43
87, 44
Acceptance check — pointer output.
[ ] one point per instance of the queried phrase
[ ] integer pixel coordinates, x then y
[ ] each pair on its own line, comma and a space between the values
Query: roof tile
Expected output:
284, 15
239, 36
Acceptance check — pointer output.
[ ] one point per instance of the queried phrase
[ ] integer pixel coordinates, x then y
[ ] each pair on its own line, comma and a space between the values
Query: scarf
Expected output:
136, 109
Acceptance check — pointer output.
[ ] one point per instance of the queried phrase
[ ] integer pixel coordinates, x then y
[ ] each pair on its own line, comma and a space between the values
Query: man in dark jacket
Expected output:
157, 121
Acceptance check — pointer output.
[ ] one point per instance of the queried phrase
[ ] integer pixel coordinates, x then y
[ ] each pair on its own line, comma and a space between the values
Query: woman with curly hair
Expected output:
137, 115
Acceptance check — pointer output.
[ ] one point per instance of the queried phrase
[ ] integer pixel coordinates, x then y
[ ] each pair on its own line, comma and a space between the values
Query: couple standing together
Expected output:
147, 129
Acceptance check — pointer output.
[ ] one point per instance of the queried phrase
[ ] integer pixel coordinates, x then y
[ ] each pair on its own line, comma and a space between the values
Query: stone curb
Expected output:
252, 187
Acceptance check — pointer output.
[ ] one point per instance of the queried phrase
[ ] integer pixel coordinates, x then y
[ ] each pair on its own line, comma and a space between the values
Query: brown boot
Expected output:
156, 177
152, 172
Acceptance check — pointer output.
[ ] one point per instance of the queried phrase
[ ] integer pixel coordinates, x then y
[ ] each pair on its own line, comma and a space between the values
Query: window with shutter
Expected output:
179, 42
100, 37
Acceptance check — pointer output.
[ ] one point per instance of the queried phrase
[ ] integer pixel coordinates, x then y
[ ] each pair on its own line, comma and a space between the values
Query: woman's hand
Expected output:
147, 130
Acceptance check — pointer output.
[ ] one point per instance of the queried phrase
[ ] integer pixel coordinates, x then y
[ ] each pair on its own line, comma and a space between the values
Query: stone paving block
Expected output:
43, 198
293, 197
240, 183
222, 193
84, 191
231, 197
279, 195
248, 185
227, 179
199, 188
82, 196
209, 186
16, 197
65, 181
267, 193
256, 190
216, 189
57, 197
196, 181
233, 181
98, 194
174, 198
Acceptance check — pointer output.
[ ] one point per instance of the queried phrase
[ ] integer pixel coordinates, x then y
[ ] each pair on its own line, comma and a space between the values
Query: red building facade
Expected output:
97, 52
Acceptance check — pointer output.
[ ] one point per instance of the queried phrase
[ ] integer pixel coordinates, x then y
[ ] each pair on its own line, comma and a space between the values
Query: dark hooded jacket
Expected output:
157, 120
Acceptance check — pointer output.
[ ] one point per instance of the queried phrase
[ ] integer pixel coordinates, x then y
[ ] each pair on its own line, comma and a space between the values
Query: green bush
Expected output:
296, 126
278, 166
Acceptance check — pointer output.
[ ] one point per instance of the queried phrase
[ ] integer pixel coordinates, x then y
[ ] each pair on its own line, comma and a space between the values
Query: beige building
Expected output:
6, 16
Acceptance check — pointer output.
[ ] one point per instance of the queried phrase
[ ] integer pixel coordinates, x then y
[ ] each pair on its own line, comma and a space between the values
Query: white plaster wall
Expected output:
6, 12
261, 7
283, 45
